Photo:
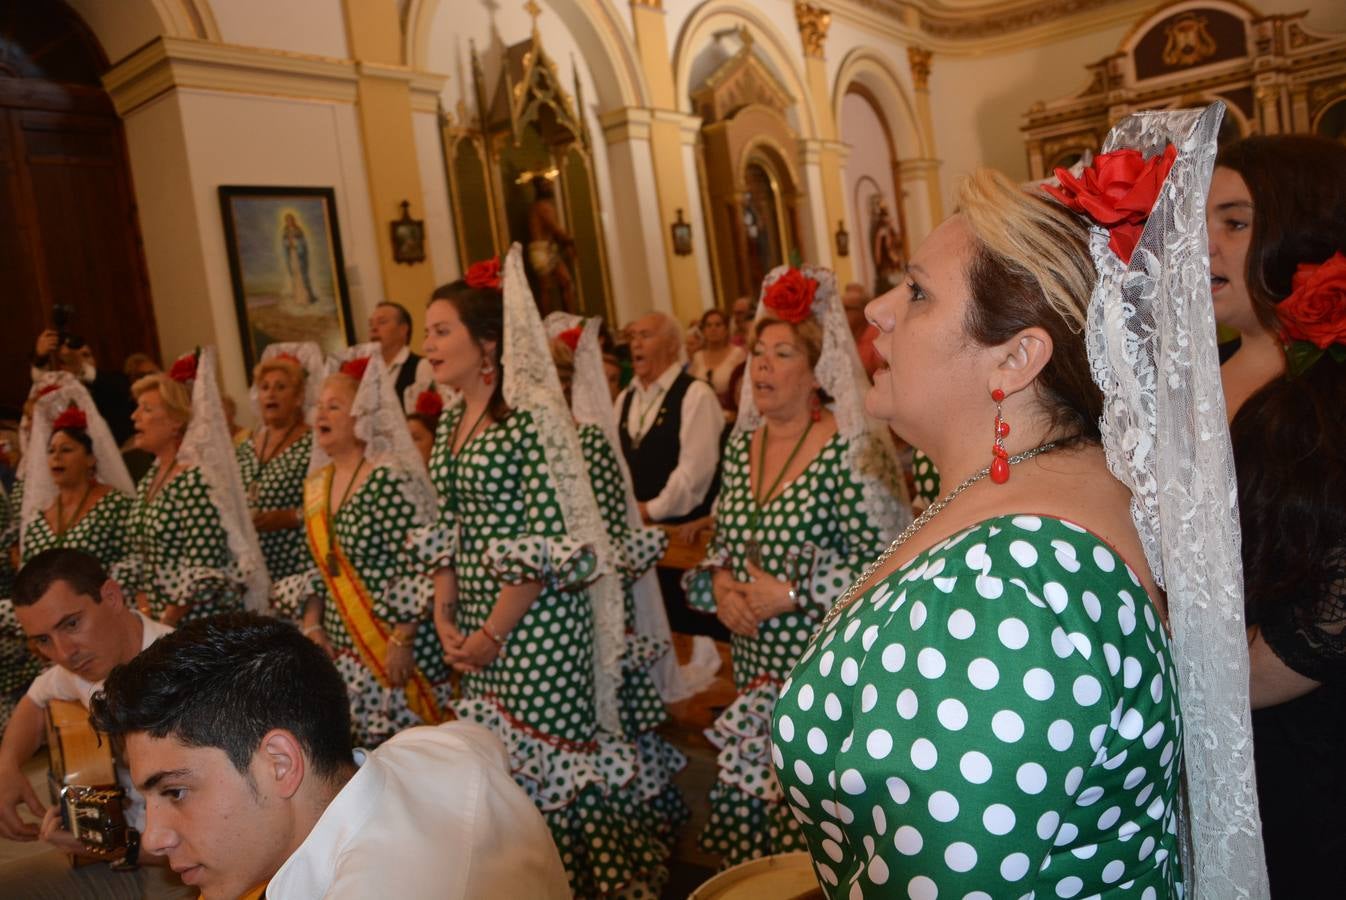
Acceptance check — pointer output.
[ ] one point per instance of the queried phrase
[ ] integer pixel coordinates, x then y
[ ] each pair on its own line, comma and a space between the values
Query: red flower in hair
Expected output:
73, 417
790, 296
48, 389
184, 368
429, 404
1118, 192
355, 368
571, 337
1313, 317
484, 275
287, 357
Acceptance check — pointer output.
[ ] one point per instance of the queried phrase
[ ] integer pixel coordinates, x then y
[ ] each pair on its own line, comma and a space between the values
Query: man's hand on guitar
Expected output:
54, 833
16, 791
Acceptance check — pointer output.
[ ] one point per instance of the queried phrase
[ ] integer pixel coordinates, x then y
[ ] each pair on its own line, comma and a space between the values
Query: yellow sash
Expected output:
368, 633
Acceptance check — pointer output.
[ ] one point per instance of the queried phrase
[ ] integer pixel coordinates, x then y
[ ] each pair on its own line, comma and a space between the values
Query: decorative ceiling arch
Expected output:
868, 67
128, 25
607, 48
715, 16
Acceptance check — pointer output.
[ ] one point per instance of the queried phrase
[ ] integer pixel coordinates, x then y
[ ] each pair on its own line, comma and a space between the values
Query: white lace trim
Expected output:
1152, 348
869, 446
39, 491
531, 384
208, 446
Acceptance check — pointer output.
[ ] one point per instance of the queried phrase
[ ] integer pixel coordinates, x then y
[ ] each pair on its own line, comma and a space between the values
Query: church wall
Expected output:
306, 26
871, 163
439, 229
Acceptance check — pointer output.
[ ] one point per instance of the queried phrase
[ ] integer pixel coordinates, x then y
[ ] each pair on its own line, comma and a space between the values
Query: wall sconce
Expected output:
843, 240
682, 236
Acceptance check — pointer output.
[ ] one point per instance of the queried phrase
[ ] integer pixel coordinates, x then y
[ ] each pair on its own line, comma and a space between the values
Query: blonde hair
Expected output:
175, 396
809, 332
280, 364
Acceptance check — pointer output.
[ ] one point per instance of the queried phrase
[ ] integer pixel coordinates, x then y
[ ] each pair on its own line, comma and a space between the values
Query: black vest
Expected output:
656, 456
406, 376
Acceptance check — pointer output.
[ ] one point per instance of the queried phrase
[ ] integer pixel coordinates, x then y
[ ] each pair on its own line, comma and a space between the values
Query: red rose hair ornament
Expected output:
429, 404
790, 296
1313, 317
484, 275
1118, 192
183, 370
73, 417
571, 337
355, 368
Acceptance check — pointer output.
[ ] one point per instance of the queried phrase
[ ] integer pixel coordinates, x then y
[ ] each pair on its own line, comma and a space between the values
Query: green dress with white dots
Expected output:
178, 549
642, 709
815, 534
279, 484
925, 478
101, 531
997, 718
18, 665
374, 529
498, 503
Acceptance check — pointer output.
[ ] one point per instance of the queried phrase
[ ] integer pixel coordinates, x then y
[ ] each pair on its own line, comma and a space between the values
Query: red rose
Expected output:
570, 337
48, 389
790, 296
1118, 192
1315, 311
429, 404
355, 368
73, 417
484, 275
184, 368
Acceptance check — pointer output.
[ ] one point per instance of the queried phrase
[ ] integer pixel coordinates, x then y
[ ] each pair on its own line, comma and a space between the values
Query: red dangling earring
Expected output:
815, 407
1000, 467
487, 372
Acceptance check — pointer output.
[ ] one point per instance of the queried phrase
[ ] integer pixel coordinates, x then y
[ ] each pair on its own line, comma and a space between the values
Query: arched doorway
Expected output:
69, 235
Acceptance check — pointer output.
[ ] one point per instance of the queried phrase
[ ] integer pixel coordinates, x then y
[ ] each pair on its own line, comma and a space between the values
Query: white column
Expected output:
632, 226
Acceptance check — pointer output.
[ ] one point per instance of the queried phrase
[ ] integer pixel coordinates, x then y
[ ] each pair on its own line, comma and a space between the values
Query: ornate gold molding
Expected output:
813, 24
919, 58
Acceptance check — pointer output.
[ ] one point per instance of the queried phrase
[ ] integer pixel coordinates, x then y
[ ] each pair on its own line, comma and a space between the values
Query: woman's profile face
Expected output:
156, 429
455, 357
928, 360
1229, 225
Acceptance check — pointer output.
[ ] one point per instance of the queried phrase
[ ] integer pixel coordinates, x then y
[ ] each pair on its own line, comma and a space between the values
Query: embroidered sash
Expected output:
345, 587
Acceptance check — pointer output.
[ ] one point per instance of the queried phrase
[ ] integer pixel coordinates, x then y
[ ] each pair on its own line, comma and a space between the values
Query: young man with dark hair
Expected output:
237, 730
78, 618
390, 326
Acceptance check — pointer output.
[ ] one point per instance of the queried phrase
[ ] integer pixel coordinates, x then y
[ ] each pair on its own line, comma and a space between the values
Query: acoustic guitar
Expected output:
83, 782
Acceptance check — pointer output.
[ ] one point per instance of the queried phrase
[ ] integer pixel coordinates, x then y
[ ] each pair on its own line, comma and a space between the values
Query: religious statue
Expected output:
890, 264
549, 246
294, 245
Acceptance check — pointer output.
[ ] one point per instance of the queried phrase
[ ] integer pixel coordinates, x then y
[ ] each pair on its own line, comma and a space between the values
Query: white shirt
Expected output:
698, 440
432, 813
424, 377
57, 683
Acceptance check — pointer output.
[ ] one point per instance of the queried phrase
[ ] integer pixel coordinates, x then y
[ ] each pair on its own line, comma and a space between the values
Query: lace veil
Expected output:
382, 425
315, 370
531, 384
209, 447
39, 490
870, 452
45, 379
1152, 349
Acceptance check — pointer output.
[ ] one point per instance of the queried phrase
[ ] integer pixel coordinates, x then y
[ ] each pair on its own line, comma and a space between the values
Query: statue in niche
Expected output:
885, 241
549, 246
294, 244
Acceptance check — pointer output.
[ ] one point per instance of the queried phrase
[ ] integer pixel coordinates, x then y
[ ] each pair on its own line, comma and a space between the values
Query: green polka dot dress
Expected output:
178, 552
925, 478
101, 531
373, 528
278, 485
997, 718
642, 709
497, 499
9, 536
18, 666
815, 534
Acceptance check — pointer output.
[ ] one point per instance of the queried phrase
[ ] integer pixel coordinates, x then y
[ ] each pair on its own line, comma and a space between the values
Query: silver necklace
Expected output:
930, 512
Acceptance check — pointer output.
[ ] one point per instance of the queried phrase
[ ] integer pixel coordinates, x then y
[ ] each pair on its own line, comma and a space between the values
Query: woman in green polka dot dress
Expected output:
579, 364
805, 501
364, 595
193, 550
274, 460
994, 713
516, 595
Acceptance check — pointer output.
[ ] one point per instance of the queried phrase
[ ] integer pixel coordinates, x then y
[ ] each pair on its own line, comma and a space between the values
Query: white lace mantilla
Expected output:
382, 425
209, 446
870, 452
1152, 348
39, 490
531, 384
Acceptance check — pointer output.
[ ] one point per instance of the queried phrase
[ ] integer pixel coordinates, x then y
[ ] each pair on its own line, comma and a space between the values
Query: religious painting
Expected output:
285, 261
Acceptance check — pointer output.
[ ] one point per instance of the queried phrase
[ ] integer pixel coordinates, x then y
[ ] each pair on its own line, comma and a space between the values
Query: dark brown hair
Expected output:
1298, 188
482, 312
